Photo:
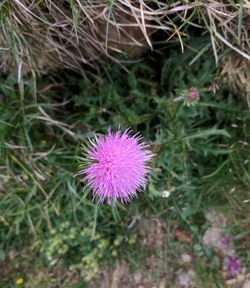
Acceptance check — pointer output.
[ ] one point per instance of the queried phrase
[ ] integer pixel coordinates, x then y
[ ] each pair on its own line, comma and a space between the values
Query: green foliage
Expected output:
201, 154
82, 247
71, 243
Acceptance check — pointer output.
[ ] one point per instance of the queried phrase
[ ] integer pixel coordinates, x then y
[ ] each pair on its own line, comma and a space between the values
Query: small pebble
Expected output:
186, 258
246, 284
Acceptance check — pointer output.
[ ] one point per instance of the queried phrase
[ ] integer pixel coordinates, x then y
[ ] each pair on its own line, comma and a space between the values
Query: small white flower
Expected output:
166, 194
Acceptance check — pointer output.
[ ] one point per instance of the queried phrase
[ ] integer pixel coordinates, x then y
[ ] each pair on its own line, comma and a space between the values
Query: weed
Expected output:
202, 159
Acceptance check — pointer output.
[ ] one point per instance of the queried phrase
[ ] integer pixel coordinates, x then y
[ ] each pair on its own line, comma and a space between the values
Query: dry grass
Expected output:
49, 34
229, 24
235, 72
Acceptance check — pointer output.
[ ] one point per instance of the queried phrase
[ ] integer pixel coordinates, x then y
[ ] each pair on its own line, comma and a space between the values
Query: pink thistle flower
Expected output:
232, 265
227, 239
116, 166
192, 96
189, 96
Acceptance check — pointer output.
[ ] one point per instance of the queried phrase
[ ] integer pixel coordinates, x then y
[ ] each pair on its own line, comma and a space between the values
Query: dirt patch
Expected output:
148, 273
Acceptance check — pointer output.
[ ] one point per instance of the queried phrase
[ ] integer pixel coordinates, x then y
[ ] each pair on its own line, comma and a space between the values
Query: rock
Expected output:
231, 282
186, 278
162, 284
216, 218
246, 284
137, 277
186, 258
213, 237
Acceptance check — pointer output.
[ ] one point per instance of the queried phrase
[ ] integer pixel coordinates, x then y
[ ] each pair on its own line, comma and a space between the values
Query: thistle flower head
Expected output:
233, 265
191, 96
116, 166
227, 239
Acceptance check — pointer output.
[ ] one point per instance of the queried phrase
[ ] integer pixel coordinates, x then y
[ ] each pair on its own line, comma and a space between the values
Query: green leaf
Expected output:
207, 133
